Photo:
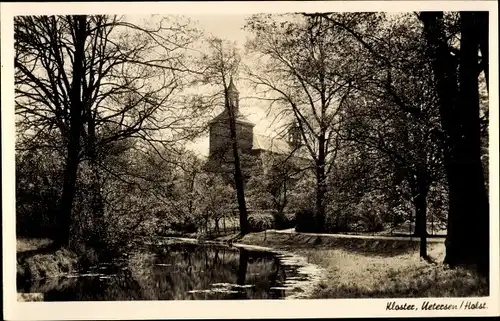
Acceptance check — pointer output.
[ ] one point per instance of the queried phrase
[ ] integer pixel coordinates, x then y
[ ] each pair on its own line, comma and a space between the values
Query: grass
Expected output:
45, 265
38, 259
368, 268
24, 244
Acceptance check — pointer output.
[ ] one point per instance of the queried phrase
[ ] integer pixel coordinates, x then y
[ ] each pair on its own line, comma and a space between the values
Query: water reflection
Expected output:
173, 272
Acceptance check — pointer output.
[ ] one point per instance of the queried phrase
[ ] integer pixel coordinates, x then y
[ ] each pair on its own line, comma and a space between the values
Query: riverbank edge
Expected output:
291, 242
279, 242
407, 274
303, 288
45, 263
288, 240
45, 260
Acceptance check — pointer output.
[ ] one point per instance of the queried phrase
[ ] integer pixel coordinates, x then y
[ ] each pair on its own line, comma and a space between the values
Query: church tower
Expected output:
220, 135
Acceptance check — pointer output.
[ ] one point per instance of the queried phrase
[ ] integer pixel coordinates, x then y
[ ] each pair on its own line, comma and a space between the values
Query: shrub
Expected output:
373, 224
38, 189
365, 213
260, 222
187, 226
90, 255
283, 220
48, 265
340, 217
369, 212
305, 221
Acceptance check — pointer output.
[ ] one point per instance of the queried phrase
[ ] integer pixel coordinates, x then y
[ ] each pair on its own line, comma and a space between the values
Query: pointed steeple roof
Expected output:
233, 97
232, 87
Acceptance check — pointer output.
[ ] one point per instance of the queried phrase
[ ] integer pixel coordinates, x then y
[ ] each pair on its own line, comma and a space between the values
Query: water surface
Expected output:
180, 271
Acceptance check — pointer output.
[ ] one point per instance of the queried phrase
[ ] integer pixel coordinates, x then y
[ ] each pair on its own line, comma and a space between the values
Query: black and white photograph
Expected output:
259, 153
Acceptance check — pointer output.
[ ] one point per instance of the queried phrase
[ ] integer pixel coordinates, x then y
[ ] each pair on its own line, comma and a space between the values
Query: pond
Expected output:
181, 271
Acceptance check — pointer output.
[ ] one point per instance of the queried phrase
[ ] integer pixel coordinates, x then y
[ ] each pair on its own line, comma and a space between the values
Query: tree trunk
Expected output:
238, 175
420, 202
68, 193
73, 147
320, 186
474, 198
97, 205
468, 226
282, 205
217, 231
483, 34
191, 192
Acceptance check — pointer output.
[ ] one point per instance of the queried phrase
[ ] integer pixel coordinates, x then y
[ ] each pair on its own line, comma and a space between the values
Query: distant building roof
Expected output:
276, 145
224, 116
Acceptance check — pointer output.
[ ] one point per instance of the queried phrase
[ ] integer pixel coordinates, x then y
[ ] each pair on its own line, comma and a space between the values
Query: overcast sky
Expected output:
229, 27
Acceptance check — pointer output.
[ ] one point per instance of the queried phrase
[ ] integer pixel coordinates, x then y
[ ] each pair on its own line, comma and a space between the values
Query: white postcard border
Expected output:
226, 309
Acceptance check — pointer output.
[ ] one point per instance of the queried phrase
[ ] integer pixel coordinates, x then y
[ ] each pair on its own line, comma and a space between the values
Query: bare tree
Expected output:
86, 82
271, 188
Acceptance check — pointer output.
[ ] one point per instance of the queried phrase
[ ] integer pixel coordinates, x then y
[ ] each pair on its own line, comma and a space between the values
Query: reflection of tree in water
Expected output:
187, 257
216, 257
277, 279
117, 287
241, 275
242, 268
216, 263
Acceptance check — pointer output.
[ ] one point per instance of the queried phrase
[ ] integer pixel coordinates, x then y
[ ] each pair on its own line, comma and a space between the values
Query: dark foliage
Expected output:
186, 226
38, 187
283, 221
306, 221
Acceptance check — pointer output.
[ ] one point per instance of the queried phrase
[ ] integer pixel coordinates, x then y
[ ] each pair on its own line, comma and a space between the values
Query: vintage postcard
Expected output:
250, 159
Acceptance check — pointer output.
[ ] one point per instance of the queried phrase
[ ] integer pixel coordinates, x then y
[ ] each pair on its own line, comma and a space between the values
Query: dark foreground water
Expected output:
176, 272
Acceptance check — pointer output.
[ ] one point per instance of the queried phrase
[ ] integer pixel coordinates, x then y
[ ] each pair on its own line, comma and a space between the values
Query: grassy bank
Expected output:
38, 259
371, 268
46, 265
25, 244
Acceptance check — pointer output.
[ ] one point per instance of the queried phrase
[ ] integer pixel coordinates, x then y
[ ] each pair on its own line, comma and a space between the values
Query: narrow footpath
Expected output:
432, 239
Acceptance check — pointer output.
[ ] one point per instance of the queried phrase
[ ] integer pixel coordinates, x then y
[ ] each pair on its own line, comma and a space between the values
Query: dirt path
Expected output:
367, 237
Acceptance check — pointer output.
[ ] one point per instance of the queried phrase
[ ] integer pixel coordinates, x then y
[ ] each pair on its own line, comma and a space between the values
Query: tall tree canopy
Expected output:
304, 74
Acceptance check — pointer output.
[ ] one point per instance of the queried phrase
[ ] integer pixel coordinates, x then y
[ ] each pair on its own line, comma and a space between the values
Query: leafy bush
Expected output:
283, 220
186, 226
369, 212
38, 188
47, 265
305, 221
260, 222
364, 213
340, 221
